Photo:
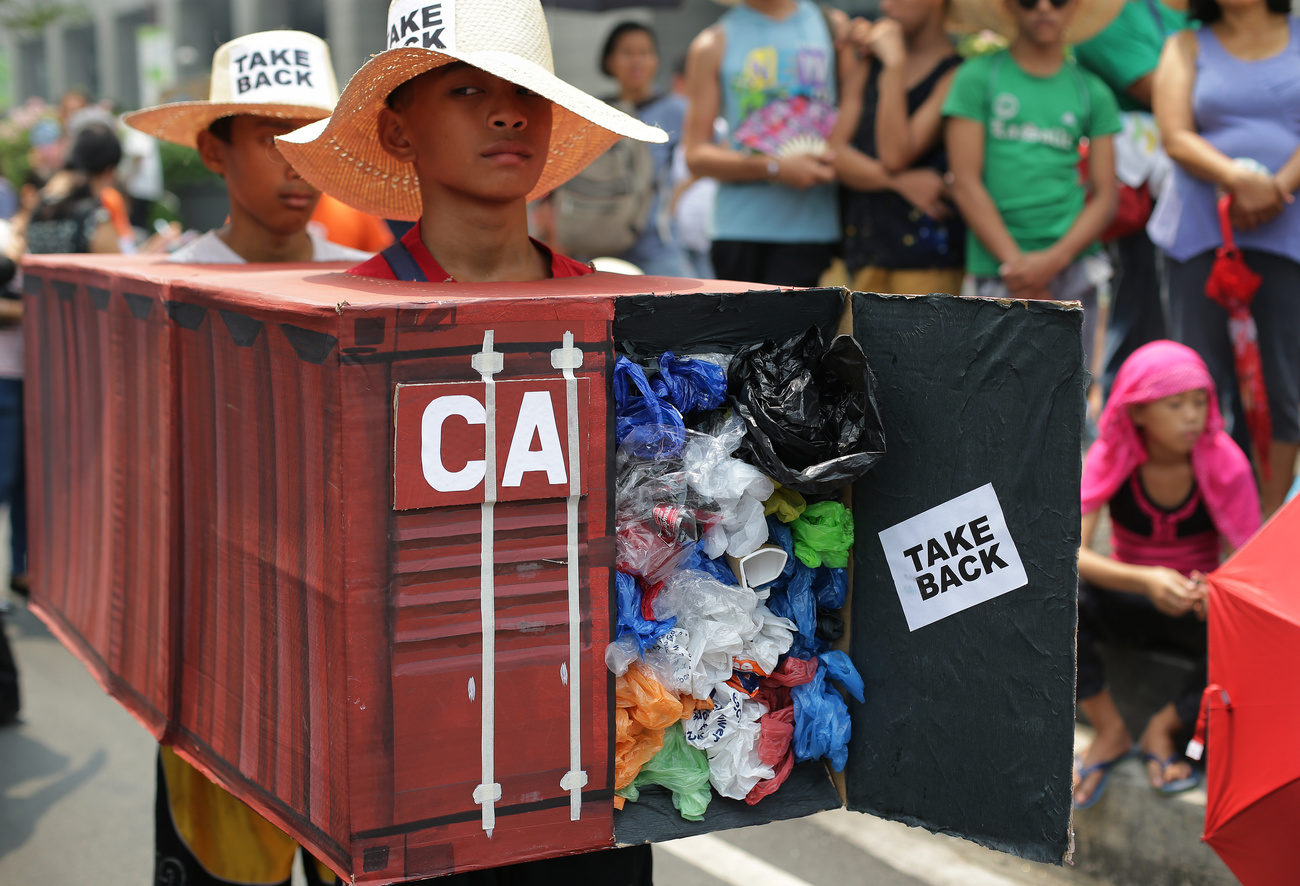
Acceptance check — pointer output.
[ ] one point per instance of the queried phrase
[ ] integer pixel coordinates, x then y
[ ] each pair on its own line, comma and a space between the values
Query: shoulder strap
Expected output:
404, 265
1159, 19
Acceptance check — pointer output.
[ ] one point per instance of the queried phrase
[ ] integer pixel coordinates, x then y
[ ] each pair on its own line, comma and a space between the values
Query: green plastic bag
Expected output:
823, 535
680, 768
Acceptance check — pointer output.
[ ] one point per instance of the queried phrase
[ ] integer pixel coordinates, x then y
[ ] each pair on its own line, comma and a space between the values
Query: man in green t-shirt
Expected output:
1015, 120
1124, 56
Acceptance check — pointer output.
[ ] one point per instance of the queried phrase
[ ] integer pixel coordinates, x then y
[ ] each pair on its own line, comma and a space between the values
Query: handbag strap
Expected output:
1160, 22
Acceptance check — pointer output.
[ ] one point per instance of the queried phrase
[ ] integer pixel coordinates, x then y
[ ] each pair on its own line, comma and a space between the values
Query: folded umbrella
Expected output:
1232, 284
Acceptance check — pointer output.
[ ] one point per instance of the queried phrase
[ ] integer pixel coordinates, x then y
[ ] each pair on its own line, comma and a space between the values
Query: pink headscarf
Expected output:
1162, 369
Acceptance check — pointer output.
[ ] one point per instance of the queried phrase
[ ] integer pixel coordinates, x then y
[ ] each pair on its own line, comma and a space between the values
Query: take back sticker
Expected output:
275, 68
428, 24
952, 557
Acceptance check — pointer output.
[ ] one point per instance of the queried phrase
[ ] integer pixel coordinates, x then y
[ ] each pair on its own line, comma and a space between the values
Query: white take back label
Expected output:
272, 68
428, 24
952, 557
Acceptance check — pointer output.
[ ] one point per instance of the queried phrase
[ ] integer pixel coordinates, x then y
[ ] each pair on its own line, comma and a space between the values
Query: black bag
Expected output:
810, 411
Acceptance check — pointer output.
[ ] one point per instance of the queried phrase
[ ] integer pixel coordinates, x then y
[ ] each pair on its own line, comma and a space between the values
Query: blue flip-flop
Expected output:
1104, 768
1178, 785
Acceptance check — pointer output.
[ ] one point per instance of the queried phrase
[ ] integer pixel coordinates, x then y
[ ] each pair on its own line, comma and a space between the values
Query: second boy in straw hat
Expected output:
263, 85
458, 124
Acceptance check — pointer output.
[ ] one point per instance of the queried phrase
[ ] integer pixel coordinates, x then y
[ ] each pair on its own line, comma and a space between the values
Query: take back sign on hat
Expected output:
280, 74
506, 38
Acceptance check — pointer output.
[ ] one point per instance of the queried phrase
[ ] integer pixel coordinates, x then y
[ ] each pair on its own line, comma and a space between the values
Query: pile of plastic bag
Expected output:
723, 686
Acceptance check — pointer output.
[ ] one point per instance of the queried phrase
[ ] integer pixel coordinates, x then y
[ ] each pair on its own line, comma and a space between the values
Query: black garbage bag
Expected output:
810, 411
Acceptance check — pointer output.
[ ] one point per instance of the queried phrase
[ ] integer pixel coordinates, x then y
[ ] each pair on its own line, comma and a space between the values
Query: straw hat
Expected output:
970, 16
507, 38
282, 74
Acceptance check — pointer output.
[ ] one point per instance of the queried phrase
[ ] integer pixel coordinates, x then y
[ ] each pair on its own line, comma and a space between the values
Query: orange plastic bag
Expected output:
645, 708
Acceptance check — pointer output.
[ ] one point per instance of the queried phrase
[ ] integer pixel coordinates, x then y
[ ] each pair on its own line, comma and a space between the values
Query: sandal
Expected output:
1104, 767
1178, 785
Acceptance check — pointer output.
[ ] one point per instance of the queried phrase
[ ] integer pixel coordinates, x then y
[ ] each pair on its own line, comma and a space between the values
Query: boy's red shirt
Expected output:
376, 266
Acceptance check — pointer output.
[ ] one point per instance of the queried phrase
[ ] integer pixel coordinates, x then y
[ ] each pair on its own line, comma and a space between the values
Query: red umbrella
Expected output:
1253, 706
1232, 284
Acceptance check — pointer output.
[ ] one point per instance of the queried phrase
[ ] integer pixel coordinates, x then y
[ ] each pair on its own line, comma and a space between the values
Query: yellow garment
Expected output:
228, 838
785, 503
909, 282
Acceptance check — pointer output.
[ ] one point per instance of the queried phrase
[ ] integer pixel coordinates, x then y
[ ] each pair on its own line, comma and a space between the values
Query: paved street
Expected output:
76, 793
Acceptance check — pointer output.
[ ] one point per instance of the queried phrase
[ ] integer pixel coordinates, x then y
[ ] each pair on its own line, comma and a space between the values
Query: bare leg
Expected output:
1158, 739
1112, 740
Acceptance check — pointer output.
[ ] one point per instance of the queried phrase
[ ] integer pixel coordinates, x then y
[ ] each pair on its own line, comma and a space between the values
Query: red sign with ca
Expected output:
440, 429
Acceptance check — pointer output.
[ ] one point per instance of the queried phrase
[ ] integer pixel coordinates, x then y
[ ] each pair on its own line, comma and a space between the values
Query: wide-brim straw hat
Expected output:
971, 16
507, 38
279, 74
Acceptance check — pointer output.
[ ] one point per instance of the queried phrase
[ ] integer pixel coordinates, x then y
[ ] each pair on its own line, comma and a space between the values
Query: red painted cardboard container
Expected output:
274, 510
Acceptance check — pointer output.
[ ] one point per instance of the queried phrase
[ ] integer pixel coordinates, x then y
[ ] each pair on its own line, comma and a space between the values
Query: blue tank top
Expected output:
1245, 109
767, 61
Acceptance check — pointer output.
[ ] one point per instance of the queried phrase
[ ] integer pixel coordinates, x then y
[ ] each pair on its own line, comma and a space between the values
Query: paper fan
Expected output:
787, 127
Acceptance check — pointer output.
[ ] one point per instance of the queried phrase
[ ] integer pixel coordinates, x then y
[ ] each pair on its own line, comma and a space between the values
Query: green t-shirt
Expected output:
1032, 129
1129, 48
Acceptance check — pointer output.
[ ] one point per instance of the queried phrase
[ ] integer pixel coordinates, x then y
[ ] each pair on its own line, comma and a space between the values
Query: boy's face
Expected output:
263, 187
1044, 23
469, 132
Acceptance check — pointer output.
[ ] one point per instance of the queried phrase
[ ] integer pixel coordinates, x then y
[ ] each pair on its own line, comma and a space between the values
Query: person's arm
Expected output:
704, 92
1257, 198
853, 168
105, 240
965, 142
1031, 270
1140, 89
1168, 589
902, 138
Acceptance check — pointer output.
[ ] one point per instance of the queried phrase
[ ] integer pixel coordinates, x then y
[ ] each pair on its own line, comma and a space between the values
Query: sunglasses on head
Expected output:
1033, 4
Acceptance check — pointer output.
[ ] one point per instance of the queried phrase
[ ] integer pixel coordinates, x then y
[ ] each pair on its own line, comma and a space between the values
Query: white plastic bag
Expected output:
738, 488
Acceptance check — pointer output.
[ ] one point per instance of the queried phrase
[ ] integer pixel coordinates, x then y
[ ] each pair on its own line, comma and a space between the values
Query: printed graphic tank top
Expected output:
777, 78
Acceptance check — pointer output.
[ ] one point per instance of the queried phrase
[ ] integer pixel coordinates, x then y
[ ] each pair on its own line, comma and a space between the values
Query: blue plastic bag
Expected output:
690, 385
644, 424
830, 587
821, 717
839, 667
717, 569
630, 619
794, 596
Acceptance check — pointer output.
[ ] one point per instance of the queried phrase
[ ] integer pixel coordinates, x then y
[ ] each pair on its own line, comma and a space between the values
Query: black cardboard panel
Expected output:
648, 325
968, 723
653, 819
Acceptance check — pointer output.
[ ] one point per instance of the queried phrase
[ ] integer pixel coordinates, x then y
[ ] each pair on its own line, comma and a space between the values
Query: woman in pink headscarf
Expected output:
1180, 492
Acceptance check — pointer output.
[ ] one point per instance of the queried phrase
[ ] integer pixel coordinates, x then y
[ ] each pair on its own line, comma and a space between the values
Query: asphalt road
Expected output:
76, 807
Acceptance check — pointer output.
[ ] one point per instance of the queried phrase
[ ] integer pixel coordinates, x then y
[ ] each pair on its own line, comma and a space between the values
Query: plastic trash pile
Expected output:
732, 551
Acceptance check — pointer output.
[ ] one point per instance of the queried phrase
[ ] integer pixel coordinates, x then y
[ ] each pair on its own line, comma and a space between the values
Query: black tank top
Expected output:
883, 230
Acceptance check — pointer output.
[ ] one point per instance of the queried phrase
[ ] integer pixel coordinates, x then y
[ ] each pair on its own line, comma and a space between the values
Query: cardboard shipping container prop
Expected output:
349, 546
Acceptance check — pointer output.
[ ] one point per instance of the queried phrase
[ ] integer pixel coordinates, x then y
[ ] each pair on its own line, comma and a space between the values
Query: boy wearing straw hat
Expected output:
263, 85
458, 125
1015, 121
